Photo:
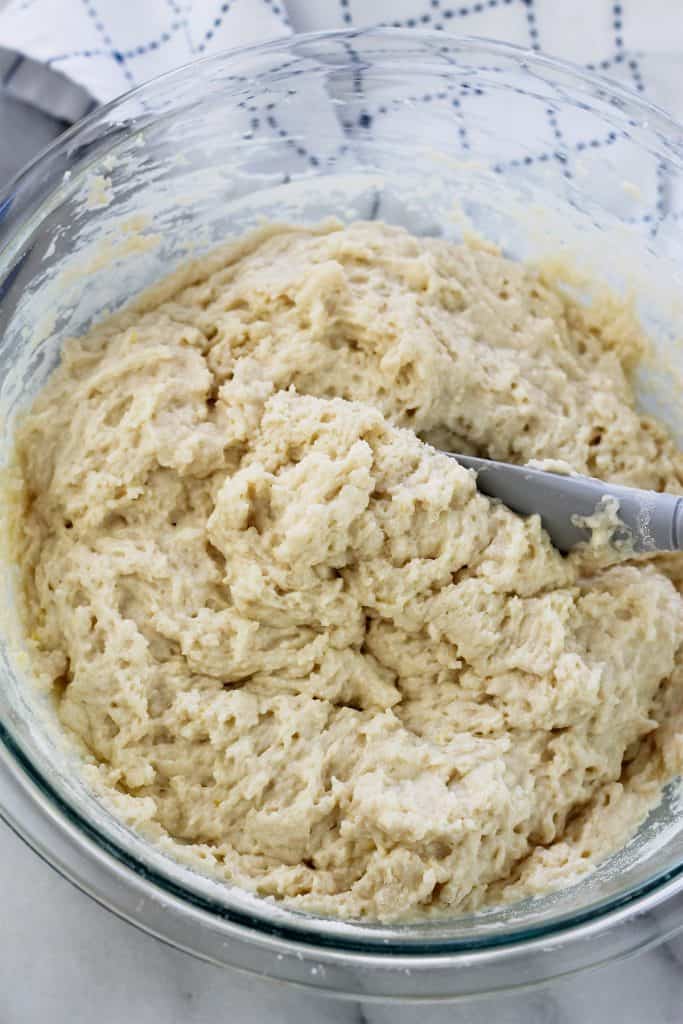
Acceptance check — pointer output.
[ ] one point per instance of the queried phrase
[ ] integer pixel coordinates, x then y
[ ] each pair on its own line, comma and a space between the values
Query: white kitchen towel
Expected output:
109, 46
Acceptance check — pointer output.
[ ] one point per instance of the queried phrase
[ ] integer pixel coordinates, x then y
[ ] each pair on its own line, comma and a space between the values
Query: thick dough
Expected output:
299, 648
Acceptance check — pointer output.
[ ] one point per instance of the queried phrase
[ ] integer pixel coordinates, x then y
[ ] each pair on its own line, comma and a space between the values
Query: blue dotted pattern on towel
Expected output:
432, 14
180, 20
439, 16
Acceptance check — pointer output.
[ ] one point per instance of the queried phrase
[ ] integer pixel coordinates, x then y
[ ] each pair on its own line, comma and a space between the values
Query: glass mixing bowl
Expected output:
444, 136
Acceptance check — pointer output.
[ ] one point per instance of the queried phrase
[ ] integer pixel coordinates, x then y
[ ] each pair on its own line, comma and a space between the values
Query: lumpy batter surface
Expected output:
296, 645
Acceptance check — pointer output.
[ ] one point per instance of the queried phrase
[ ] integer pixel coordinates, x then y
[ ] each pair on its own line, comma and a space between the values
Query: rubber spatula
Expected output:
648, 521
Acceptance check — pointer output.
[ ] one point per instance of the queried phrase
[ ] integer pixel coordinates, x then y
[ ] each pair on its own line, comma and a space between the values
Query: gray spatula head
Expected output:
648, 521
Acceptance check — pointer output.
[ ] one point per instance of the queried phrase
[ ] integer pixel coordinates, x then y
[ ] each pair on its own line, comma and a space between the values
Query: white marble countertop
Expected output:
65, 959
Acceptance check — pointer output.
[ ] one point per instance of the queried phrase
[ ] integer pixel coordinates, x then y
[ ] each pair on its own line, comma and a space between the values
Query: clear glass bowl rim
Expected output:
25, 791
